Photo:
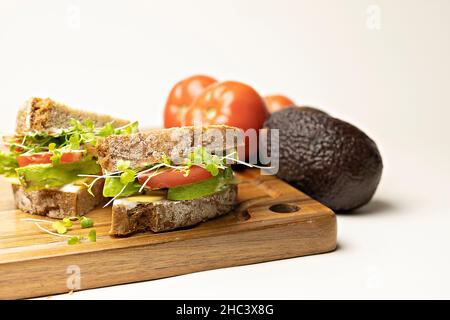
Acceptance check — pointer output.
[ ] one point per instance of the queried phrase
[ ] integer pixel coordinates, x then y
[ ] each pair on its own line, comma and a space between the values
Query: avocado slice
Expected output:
8, 164
195, 190
41, 176
114, 187
327, 158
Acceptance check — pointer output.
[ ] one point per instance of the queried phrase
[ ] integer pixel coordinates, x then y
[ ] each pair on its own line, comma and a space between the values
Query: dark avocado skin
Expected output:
327, 158
311, 109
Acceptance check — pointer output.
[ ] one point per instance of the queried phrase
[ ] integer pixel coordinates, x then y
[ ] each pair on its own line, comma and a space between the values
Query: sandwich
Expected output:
165, 179
52, 146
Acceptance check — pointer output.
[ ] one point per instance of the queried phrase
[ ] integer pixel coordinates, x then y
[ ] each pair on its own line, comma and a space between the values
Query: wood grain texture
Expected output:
36, 264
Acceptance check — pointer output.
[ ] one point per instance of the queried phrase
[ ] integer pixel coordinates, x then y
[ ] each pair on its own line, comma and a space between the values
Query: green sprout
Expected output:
74, 240
86, 222
59, 227
92, 236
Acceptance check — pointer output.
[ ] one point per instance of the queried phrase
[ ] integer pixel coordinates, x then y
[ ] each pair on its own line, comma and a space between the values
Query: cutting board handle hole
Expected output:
284, 208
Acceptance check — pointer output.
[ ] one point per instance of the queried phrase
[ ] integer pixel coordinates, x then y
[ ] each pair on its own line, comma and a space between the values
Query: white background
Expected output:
122, 57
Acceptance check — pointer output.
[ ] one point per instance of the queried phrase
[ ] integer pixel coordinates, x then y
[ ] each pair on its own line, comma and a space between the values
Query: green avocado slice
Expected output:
195, 190
113, 187
8, 164
41, 176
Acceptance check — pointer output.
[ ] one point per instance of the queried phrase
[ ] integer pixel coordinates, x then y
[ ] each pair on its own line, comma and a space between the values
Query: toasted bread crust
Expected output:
145, 148
164, 215
57, 203
46, 115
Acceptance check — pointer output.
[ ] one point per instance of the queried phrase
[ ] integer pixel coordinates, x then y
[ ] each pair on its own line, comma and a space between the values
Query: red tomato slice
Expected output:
173, 178
45, 157
69, 157
37, 158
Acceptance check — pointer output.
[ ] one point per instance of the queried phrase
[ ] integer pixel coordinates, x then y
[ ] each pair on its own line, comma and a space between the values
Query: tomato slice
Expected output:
45, 157
69, 157
19, 149
37, 158
173, 178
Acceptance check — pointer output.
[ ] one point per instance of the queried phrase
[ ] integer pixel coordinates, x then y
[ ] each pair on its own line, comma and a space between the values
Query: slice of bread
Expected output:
146, 148
46, 115
67, 201
130, 215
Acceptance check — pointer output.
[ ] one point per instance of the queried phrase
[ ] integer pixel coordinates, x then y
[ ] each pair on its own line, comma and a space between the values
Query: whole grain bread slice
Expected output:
68, 201
164, 215
46, 115
145, 148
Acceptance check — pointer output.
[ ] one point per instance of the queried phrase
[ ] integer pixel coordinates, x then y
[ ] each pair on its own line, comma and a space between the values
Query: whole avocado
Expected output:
327, 158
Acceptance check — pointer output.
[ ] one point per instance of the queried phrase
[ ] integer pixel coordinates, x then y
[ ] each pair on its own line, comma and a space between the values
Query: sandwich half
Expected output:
167, 179
53, 145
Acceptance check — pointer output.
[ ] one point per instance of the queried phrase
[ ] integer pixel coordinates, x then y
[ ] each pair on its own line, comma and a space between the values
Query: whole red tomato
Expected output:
277, 102
230, 103
181, 96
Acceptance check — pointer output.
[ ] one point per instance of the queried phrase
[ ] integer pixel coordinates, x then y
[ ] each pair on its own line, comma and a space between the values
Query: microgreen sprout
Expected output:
67, 222
86, 222
92, 236
74, 240
61, 227
50, 232
97, 178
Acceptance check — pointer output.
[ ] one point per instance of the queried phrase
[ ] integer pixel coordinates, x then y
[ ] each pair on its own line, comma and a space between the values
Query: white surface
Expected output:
122, 57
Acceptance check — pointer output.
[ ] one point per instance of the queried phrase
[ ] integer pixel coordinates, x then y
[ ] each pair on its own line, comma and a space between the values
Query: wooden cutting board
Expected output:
273, 221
